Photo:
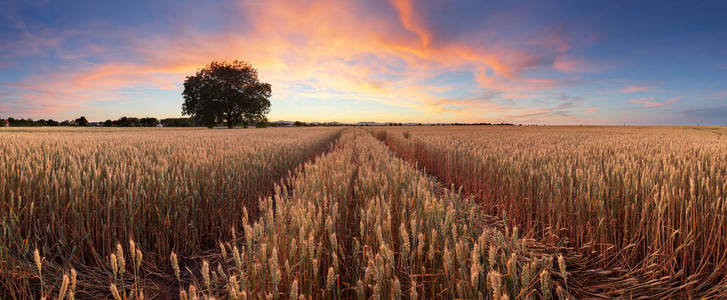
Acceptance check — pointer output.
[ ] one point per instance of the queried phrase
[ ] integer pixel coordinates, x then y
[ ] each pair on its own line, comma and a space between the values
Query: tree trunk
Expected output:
229, 121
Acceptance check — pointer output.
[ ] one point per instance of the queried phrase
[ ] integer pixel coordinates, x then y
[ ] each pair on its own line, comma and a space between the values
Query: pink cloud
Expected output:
718, 95
591, 110
649, 102
4, 108
565, 63
312, 43
411, 20
38, 43
636, 88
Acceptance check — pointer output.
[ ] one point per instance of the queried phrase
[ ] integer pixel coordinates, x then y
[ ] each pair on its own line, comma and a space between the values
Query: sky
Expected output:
530, 62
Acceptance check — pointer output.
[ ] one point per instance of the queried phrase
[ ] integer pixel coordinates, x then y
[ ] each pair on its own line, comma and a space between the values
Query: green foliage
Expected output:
178, 122
228, 93
81, 121
262, 123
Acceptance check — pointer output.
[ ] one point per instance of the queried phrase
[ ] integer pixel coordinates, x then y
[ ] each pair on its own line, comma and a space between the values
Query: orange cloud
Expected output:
335, 49
649, 102
636, 88
412, 22
565, 63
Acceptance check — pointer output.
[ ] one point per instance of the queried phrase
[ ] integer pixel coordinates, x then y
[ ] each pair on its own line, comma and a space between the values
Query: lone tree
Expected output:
81, 121
224, 91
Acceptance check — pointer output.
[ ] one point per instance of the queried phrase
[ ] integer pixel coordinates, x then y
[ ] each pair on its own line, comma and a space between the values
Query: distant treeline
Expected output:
190, 122
133, 122
121, 122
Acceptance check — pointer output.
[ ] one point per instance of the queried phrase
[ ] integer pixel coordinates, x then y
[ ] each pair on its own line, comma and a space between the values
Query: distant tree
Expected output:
81, 121
126, 122
263, 123
51, 122
108, 123
177, 122
148, 122
66, 123
21, 122
224, 92
120, 122
299, 124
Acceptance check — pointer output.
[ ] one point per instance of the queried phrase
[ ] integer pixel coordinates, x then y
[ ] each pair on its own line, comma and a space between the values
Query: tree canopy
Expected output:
225, 92
81, 121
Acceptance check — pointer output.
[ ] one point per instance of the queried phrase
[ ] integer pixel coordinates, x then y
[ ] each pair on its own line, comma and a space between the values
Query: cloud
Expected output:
649, 102
375, 52
570, 98
412, 21
718, 95
569, 64
636, 88
562, 112
38, 42
591, 110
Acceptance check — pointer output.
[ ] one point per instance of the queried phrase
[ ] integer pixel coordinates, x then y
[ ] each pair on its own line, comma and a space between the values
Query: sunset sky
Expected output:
545, 62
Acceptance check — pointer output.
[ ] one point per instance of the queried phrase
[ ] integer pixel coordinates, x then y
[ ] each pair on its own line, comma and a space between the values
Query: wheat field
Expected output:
648, 202
482, 212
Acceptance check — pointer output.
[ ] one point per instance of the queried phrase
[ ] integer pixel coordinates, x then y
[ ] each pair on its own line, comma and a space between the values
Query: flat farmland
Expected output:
496, 212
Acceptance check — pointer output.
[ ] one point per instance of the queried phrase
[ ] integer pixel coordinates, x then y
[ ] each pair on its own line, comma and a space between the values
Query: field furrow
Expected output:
640, 211
361, 223
392, 213
75, 194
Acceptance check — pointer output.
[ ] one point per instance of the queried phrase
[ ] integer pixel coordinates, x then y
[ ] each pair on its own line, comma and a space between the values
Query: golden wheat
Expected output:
364, 193
75, 193
647, 200
623, 212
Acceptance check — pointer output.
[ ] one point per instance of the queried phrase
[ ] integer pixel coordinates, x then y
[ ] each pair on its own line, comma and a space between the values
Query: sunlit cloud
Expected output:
636, 88
591, 110
412, 21
334, 48
650, 102
405, 54
570, 64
